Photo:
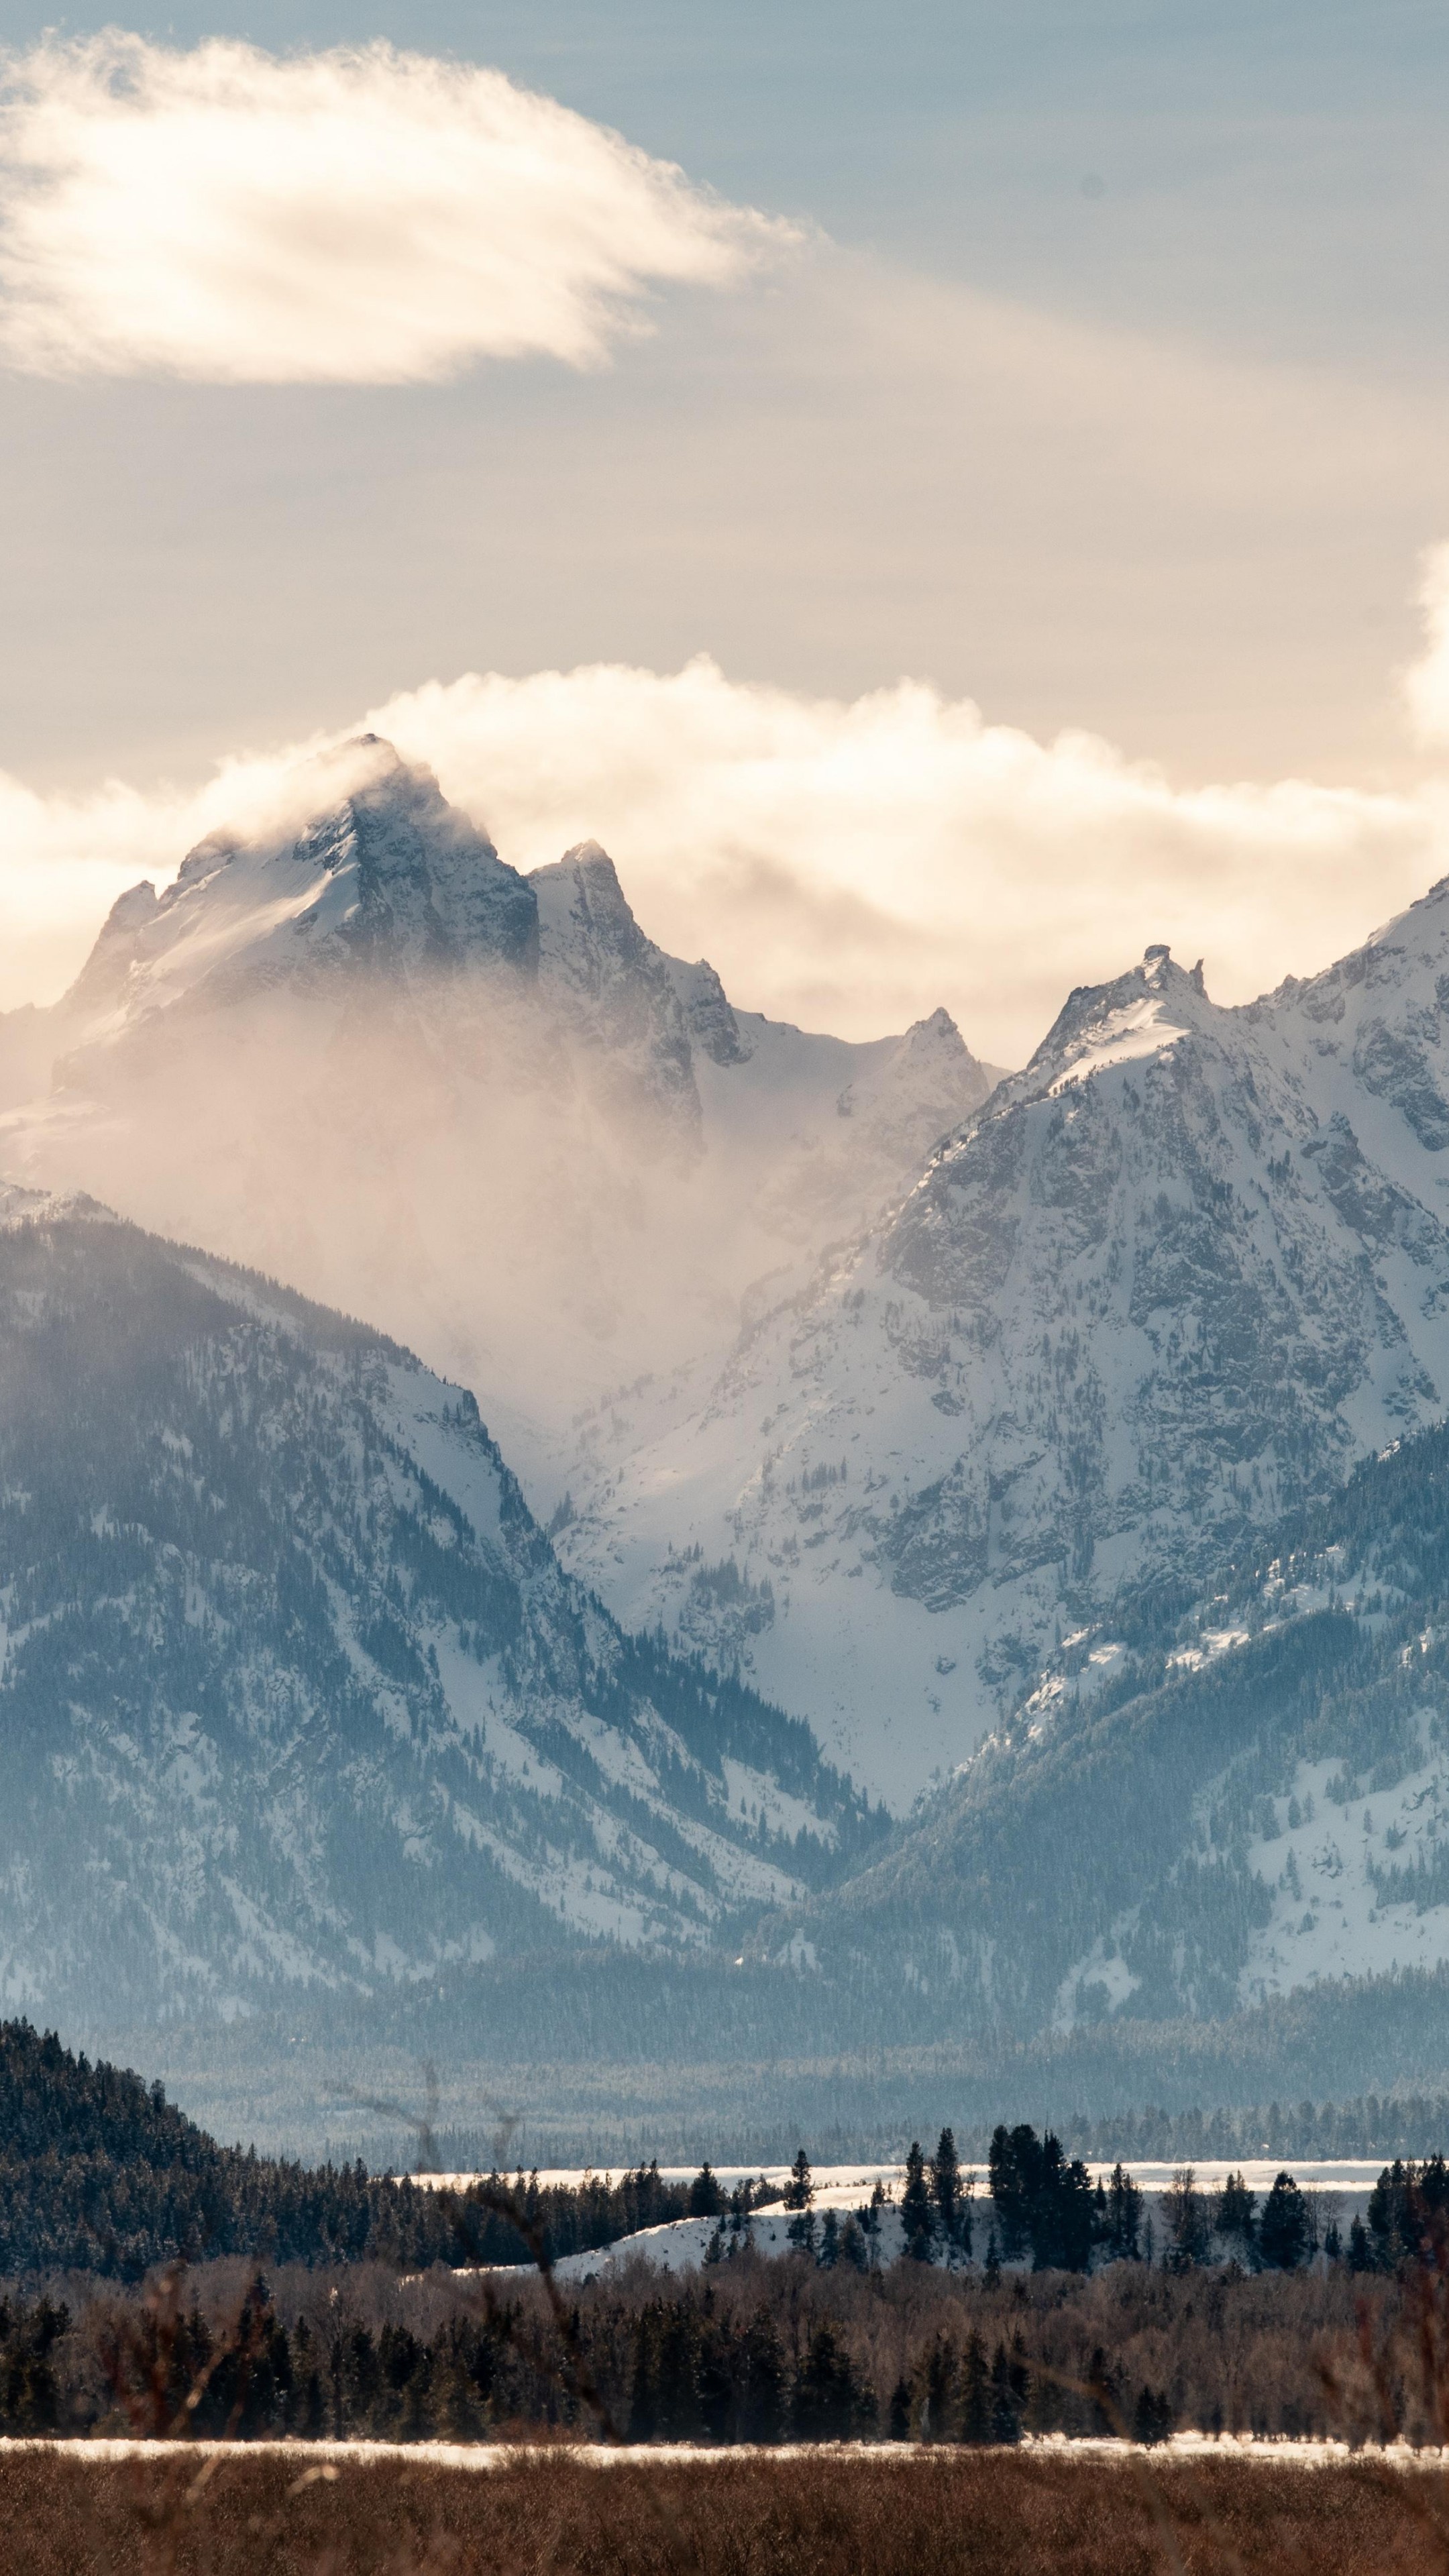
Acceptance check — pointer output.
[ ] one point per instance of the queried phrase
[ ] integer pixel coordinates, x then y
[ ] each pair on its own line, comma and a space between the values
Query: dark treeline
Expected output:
752, 2350
100, 2173
1367, 2126
1370, 2125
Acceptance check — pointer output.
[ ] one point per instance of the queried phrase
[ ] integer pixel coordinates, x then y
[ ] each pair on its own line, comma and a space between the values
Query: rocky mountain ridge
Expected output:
294, 1694
1202, 1806
1170, 1280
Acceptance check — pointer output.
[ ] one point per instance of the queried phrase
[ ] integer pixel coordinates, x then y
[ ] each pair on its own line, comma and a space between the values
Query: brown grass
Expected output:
974, 2514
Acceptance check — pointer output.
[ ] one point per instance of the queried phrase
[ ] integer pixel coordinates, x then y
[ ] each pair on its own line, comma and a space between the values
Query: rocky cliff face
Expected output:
1172, 1278
294, 1693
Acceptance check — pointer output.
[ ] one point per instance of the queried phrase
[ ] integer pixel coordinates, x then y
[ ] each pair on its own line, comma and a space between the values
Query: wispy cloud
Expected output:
356, 216
851, 864
1426, 681
846, 864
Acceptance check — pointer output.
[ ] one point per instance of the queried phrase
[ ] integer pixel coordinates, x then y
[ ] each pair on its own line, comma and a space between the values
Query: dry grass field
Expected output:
985, 2513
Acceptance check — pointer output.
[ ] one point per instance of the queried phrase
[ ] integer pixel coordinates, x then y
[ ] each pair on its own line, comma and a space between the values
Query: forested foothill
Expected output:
100, 2173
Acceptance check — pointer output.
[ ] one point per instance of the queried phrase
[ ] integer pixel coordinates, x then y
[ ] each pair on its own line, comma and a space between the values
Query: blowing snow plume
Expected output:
354, 1047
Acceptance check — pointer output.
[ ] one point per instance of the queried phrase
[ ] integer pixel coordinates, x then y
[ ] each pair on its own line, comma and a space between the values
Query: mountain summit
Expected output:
373, 870
354, 1046
1171, 1279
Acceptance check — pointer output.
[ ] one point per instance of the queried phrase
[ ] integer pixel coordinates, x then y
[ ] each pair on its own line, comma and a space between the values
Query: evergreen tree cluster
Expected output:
936, 2204
100, 2173
1203, 2226
1367, 2124
1408, 2218
1043, 2200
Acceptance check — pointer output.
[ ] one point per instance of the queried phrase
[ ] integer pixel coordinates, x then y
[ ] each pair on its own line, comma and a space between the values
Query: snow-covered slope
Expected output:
293, 1691
1198, 1806
352, 1045
1177, 1274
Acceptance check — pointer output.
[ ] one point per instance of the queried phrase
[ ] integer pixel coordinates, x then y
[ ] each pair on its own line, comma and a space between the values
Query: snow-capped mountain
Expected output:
294, 1693
1175, 1276
353, 1046
1200, 1809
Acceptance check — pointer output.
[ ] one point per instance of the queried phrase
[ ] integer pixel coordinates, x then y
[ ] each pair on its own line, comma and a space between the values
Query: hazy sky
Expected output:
1083, 362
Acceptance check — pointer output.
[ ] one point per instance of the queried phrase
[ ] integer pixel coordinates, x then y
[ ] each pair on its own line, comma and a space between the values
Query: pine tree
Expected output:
826, 2392
974, 2418
800, 2189
1187, 2219
1014, 2163
900, 2414
946, 2191
1152, 2417
936, 2406
1008, 2396
677, 2402
1233, 2215
870, 2223
801, 2232
760, 2381
917, 2216
854, 2245
1285, 2229
706, 2199
1124, 2214
644, 2394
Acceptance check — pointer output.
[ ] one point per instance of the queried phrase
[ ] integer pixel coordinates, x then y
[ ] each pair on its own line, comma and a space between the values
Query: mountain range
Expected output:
1053, 1457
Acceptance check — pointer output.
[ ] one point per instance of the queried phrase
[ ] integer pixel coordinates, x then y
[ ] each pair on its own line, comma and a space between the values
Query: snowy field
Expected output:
843, 2186
318, 2461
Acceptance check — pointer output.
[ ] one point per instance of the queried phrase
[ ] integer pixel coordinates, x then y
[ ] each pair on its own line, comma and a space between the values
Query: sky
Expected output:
948, 492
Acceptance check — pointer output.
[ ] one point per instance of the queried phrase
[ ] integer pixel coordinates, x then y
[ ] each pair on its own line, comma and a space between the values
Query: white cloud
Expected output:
357, 216
850, 865
844, 864
1426, 681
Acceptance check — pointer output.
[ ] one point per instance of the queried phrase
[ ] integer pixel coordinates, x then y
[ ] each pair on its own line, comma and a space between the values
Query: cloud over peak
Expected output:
360, 216
845, 864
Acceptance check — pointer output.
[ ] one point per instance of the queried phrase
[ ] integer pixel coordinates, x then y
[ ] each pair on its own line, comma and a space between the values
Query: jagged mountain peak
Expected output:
360, 865
1135, 1015
1169, 1280
918, 1091
585, 919
616, 989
